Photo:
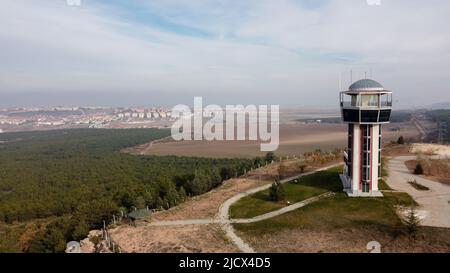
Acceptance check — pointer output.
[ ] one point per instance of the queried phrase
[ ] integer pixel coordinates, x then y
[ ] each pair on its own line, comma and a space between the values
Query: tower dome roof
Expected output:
366, 85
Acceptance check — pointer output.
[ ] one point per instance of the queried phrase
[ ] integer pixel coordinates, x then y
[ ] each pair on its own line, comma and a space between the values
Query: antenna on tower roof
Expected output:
365, 75
351, 76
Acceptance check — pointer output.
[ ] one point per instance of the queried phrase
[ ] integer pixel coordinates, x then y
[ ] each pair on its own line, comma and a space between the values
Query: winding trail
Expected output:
226, 224
224, 209
223, 218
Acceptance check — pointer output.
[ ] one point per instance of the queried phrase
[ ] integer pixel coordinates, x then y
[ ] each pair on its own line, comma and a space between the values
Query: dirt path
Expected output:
434, 203
226, 224
224, 210
224, 220
206, 214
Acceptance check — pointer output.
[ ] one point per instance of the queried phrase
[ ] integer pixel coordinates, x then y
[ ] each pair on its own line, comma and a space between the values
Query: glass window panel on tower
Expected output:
354, 100
369, 100
369, 116
385, 115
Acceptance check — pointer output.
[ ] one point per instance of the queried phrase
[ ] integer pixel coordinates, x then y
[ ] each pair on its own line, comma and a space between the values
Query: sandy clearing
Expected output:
427, 148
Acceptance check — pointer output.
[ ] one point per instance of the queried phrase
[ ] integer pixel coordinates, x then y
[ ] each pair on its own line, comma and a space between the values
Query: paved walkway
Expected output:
434, 204
224, 210
282, 210
224, 220
227, 223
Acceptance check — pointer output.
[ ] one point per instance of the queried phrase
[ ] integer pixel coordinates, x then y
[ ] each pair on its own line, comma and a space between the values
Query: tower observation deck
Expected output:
365, 107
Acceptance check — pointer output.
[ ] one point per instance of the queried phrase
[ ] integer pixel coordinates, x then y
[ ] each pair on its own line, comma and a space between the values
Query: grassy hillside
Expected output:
307, 187
327, 225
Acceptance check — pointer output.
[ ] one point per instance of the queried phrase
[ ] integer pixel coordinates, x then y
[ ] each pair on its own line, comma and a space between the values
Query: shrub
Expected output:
412, 222
401, 140
270, 156
419, 169
277, 192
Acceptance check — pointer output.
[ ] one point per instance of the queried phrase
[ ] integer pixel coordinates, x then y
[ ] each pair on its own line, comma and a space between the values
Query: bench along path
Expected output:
223, 217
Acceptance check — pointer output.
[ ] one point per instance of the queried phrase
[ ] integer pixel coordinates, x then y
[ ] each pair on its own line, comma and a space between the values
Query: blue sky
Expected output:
114, 52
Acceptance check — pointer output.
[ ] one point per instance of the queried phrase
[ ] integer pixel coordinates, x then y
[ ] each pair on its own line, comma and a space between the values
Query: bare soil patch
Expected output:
418, 186
176, 239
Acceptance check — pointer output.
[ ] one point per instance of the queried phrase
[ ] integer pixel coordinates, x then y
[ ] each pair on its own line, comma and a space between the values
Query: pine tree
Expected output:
139, 203
182, 193
419, 169
412, 222
270, 156
276, 192
257, 162
216, 179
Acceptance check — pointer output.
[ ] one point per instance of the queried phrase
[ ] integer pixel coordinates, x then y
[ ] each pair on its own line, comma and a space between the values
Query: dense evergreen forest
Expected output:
78, 177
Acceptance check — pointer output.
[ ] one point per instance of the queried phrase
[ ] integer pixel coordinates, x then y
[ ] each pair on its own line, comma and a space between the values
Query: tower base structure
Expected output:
346, 184
365, 107
362, 158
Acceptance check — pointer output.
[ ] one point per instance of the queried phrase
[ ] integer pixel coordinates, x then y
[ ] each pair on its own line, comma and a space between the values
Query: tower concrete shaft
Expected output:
368, 107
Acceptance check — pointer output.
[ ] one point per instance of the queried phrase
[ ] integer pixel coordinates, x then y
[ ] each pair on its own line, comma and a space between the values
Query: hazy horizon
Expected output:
287, 52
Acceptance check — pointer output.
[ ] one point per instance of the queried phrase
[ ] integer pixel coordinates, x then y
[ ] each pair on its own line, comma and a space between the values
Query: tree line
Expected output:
81, 178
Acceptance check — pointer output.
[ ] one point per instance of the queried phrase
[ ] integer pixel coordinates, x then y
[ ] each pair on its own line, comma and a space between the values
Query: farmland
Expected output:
295, 139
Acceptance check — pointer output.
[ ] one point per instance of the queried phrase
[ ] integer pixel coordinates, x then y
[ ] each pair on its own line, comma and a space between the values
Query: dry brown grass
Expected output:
16, 237
430, 149
393, 150
295, 139
174, 239
208, 238
337, 241
434, 169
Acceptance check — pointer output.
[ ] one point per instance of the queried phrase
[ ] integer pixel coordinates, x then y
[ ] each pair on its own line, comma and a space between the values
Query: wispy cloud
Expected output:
283, 51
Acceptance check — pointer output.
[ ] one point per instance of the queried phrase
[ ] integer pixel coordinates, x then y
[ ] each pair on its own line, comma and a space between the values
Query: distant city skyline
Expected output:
287, 52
